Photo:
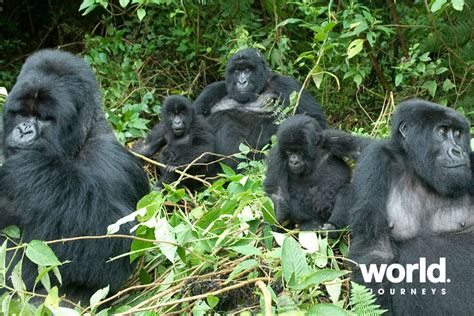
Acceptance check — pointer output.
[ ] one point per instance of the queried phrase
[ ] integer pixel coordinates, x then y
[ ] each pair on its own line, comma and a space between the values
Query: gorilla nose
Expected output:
455, 153
294, 161
25, 128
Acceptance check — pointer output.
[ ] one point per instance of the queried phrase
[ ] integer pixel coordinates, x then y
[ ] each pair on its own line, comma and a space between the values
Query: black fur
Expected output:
2, 157
175, 150
412, 200
65, 174
243, 112
303, 177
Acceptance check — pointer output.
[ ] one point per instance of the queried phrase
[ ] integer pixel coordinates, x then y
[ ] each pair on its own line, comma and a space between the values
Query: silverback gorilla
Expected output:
413, 214
240, 108
180, 138
65, 174
306, 173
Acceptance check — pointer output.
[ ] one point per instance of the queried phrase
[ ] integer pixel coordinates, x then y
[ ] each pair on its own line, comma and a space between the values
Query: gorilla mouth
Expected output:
178, 131
455, 166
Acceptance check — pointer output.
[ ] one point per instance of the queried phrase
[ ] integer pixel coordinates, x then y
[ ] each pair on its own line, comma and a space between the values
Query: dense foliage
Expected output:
210, 251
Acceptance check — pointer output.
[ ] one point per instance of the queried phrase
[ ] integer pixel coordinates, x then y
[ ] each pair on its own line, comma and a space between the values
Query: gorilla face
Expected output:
246, 75
52, 106
298, 142
295, 160
178, 114
32, 121
436, 141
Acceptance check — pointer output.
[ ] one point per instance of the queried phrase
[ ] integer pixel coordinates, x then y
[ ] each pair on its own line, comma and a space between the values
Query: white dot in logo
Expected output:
449, 280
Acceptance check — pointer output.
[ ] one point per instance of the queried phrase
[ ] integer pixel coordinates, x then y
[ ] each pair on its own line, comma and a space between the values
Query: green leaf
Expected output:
17, 280
212, 301
441, 70
398, 79
357, 79
43, 276
322, 258
431, 86
425, 57
318, 277
141, 13
98, 296
86, 4
40, 253
334, 289
12, 232
437, 5
6, 304
288, 21
163, 232
293, 260
457, 4
327, 309
448, 85
247, 250
244, 265
124, 3
355, 47
3, 257
52, 300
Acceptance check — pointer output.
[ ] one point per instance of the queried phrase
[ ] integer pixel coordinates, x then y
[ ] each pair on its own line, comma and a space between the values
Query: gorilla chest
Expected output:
413, 211
262, 105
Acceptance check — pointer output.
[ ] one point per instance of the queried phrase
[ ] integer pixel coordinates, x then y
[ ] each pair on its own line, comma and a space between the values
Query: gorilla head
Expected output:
298, 140
178, 114
38, 117
246, 75
436, 142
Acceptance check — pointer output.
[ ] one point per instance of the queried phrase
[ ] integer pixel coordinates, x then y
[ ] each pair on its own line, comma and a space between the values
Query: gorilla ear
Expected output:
402, 128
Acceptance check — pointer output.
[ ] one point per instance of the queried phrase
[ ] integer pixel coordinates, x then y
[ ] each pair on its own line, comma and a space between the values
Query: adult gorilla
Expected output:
242, 108
65, 174
412, 203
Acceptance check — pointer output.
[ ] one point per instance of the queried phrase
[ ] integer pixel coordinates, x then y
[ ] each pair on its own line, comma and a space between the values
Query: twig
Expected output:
267, 297
200, 296
177, 171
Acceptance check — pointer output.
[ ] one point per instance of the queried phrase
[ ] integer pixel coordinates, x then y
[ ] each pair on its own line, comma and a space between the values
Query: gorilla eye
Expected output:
21, 113
457, 133
443, 130
47, 118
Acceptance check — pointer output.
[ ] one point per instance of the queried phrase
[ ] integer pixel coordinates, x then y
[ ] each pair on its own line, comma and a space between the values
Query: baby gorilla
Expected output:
304, 177
180, 138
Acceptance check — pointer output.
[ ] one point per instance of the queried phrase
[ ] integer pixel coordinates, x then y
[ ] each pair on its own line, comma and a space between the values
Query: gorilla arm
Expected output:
368, 219
209, 97
285, 86
344, 145
153, 143
274, 186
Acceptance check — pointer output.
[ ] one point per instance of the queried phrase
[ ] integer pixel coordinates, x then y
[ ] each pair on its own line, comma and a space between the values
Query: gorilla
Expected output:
306, 172
181, 138
65, 174
413, 213
2, 157
244, 107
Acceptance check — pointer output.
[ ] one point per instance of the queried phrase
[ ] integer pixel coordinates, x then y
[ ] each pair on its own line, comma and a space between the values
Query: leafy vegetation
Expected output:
214, 251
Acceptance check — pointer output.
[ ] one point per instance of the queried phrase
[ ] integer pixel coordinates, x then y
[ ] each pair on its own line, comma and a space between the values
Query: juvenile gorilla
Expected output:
412, 201
65, 174
181, 138
304, 176
241, 109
